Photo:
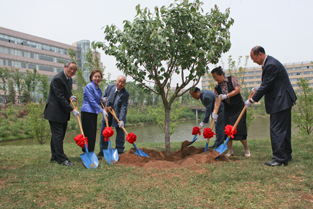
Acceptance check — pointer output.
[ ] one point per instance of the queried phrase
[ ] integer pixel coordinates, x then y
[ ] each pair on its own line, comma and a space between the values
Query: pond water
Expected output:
259, 128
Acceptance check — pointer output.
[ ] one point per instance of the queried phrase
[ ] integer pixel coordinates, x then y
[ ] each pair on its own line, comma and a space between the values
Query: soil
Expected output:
186, 156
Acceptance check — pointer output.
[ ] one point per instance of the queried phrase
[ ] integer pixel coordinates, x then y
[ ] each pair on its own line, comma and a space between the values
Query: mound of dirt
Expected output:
186, 156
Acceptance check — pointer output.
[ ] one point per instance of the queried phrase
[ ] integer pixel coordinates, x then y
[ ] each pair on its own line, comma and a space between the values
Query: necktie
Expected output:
69, 84
116, 92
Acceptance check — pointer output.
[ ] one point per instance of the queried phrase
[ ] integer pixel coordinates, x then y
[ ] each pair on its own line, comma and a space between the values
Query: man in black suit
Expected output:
58, 109
279, 99
117, 97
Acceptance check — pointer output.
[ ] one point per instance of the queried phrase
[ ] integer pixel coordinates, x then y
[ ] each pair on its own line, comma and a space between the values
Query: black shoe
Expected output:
289, 158
276, 163
52, 160
120, 153
67, 163
212, 146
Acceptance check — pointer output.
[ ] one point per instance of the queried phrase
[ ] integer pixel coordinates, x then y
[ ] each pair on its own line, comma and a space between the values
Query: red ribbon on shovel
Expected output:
80, 139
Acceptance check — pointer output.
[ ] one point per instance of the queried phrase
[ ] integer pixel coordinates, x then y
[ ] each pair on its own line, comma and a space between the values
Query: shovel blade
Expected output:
139, 152
193, 140
110, 155
89, 159
223, 147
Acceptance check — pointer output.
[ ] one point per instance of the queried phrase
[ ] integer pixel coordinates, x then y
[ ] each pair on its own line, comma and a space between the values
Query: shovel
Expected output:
110, 155
223, 147
212, 125
138, 152
89, 159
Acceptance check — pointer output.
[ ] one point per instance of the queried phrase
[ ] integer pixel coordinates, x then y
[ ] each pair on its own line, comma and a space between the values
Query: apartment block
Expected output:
26, 52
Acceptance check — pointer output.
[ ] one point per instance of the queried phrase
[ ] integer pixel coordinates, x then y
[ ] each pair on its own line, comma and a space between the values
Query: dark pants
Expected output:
89, 124
280, 131
58, 132
119, 140
220, 127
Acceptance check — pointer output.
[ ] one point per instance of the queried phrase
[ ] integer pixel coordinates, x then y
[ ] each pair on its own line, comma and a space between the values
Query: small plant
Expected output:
40, 127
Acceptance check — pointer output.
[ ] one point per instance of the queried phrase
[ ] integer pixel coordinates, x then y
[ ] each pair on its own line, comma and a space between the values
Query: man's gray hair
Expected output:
68, 64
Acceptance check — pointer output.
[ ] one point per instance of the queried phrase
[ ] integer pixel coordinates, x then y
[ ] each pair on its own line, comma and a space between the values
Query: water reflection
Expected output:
259, 129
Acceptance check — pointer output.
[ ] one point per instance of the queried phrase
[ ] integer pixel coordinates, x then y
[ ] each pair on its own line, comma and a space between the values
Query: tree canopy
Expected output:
176, 40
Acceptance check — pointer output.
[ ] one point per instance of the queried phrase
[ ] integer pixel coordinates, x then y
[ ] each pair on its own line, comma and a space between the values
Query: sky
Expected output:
283, 27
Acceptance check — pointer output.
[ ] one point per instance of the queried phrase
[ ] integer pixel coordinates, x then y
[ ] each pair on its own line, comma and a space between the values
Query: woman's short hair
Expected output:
93, 72
218, 70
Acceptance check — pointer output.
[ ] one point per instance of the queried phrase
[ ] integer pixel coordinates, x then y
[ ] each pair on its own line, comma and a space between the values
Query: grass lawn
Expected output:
29, 180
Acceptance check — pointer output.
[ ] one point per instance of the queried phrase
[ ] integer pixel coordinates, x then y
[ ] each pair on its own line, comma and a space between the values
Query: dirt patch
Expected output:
186, 156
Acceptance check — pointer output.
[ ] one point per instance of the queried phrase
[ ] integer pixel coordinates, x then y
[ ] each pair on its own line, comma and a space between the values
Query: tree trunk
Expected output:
167, 130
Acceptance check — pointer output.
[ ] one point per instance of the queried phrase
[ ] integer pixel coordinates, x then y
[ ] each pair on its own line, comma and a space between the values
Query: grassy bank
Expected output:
28, 180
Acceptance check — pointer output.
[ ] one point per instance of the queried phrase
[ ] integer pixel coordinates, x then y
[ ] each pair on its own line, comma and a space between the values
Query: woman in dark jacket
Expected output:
229, 88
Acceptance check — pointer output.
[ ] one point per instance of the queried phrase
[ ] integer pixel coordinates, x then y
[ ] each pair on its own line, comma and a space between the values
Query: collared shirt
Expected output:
91, 99
263, 62
224, 86
65, 75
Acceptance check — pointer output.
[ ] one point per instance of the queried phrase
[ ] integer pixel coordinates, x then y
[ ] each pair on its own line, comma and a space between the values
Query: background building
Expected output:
252, 75
26, 52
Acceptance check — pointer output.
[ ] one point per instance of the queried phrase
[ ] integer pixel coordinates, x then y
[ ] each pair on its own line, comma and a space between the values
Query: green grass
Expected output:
28, 180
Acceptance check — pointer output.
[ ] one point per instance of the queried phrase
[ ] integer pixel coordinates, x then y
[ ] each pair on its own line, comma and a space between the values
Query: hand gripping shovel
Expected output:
89, 159
138, 152
110, 155
223, 147
212, 125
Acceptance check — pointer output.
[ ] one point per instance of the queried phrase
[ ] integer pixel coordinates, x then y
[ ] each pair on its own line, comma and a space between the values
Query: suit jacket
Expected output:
276, 86
58, 106
92, 98
208, 100
120, 104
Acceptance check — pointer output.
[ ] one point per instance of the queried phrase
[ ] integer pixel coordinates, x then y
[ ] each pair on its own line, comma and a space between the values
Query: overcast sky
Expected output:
282, 27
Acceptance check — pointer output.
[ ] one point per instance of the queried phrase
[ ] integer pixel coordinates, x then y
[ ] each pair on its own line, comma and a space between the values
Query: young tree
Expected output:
12, 93
178, 40
30, 79
302, 114
4, 75
43, 86
17, 77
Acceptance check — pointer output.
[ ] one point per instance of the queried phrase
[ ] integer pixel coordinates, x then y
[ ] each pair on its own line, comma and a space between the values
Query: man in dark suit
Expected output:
279, 99
208, 100
117, 97
58, 109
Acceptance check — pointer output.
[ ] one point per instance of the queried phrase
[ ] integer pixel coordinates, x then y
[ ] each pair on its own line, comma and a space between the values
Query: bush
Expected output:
4, 128
15, 128
39, 126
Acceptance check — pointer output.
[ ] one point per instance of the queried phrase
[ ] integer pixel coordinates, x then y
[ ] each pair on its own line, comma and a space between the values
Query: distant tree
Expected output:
17, 78
4, 75
178, 40
302, 113
12, 93
43, 87
26, 97
30, 81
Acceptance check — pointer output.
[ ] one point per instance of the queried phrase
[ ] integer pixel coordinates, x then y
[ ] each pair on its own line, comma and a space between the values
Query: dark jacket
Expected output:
120, 104
58, 106
276, 86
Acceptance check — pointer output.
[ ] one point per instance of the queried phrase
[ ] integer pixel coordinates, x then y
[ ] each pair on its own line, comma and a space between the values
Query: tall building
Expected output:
252, 75
26, 52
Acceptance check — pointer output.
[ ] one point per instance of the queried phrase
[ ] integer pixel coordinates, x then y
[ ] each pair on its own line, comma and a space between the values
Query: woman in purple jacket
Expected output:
91, 109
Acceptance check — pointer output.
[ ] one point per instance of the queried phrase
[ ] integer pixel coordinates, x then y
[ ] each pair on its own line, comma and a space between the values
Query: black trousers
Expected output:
89, 124
280, 130
58, 132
